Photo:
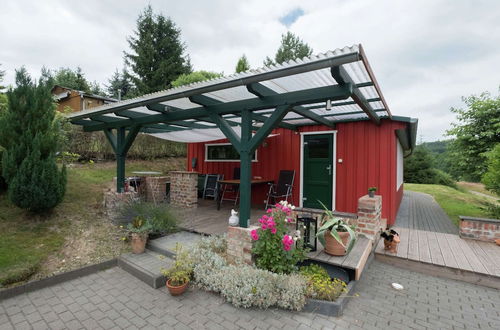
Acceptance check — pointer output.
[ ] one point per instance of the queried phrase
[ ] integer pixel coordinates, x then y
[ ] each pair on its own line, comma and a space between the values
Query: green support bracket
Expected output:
263, 119
111, 138
262, 92
268, 126
245, 168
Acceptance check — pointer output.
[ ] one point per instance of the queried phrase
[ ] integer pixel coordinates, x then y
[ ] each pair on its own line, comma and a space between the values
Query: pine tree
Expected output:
291, 48
196, 76
119, 82
30, 134
157, 57
242, 64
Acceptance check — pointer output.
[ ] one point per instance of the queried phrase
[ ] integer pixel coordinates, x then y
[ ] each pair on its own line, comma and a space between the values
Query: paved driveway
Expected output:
113, 299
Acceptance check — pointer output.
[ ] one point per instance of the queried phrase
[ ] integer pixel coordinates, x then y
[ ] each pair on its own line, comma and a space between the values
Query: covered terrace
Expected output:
337, 86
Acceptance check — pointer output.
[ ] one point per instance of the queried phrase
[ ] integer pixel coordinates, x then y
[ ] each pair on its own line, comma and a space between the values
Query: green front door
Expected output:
317, 171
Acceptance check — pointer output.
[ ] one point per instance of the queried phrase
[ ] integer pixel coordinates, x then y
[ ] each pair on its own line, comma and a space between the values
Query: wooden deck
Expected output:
205, 219
355, 260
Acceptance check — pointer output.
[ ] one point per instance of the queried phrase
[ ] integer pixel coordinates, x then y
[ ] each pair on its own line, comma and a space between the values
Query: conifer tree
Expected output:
119, 85
157, 53
291, 48
242, 64
29, 132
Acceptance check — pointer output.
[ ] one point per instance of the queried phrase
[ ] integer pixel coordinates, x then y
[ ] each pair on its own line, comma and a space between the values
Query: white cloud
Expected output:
425, 54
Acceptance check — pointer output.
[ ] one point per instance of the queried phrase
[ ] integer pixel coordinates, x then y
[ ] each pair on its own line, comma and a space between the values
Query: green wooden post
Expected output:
245, 168
120, 160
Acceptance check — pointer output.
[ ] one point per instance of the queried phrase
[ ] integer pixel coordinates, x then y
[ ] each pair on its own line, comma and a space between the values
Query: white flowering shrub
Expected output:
243, 285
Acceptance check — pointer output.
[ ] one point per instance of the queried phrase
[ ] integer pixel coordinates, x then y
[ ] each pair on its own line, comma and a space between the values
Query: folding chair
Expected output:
211, 185
232, 188
283, 189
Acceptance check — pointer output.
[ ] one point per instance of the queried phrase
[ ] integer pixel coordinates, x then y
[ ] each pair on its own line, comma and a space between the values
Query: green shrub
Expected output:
158, 216
243, 285
3, 184
491, 178
320, 285
444, 179
493, 210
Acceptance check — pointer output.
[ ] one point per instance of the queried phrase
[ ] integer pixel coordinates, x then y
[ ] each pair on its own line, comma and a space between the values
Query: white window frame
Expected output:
399, 165
334, 164
224, 160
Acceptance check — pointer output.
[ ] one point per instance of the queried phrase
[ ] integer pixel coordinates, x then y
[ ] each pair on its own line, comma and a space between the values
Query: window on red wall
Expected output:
223, 152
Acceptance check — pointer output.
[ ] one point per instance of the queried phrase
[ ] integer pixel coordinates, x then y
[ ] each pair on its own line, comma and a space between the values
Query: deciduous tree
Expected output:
242, 64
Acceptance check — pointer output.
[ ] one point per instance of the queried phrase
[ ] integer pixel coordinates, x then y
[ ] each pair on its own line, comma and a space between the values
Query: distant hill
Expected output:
437, 147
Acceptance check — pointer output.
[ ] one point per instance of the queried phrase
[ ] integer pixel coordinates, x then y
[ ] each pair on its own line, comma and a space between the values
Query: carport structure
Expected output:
338, 86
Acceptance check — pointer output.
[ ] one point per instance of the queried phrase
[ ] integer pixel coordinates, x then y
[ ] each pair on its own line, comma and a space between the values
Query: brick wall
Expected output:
370, 216
487, 230
113, 201
155, 188
183, 189
239, 244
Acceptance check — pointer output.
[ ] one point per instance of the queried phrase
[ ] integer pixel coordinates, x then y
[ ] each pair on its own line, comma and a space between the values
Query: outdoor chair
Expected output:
211, 185
232, 188
283, 189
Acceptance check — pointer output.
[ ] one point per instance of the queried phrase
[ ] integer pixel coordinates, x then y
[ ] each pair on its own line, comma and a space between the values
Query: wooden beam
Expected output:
342, 77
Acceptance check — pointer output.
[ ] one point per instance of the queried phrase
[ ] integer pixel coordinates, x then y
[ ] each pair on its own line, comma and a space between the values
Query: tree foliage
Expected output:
491, 178
74, 79
242, 64
291, 48
418, 167
157, 54
476, 133
2, 74
196, 76
119, 85
29, 133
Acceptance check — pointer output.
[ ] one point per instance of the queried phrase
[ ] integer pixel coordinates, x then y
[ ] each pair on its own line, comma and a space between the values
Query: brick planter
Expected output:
487, 230
184, 189
239, 244
369, 216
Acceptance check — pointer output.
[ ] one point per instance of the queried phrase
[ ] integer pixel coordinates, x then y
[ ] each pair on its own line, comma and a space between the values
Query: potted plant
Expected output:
179, 274
139, 230
371, 191
391, 240
335, 234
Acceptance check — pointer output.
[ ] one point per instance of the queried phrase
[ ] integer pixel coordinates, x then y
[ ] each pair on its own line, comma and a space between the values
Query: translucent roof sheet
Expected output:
179, 108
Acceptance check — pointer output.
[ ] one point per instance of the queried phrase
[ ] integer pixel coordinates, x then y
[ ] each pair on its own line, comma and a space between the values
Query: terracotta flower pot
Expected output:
392, 246
138, 243
333, 247
176, 290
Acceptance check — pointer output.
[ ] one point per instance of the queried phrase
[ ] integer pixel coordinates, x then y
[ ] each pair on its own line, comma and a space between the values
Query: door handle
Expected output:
329, 168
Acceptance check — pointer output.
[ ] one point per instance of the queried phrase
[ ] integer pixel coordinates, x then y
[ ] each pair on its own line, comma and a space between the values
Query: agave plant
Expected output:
335, 225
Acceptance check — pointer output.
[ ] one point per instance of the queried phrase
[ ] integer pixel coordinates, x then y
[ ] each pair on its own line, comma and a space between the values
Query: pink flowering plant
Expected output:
274, 248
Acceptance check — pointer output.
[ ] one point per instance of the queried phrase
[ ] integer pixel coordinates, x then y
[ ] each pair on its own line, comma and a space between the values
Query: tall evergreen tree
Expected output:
157, 53
30, 134
291, 48
242, 64
119, 85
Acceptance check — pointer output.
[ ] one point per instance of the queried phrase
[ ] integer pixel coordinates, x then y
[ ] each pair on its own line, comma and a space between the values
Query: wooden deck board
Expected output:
413, 253
424, 254
471, 257
405, 242
457, 252
436, 255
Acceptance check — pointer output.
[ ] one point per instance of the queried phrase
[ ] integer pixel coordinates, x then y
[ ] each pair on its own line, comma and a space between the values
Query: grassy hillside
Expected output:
454, 202
75, 233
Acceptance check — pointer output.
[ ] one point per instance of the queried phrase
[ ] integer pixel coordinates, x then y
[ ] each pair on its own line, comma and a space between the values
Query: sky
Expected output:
425, 55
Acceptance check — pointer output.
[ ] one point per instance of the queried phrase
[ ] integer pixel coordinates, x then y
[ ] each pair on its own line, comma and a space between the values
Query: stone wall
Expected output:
154, 188
487, 230
183, 189
370, 216
114, 201
239, 244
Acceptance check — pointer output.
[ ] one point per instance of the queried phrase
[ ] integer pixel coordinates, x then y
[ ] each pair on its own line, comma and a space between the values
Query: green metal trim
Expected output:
403, 138
106, 119
339, 104
313, 95
120, 160
129, 139
341, 76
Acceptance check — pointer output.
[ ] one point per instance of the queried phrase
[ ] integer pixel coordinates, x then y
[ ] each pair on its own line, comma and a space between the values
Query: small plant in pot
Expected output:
391, 240
139, 230
335, 234
371, 191
179, 274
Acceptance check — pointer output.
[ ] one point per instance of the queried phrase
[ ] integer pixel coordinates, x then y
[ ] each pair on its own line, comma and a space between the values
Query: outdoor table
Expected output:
237, 183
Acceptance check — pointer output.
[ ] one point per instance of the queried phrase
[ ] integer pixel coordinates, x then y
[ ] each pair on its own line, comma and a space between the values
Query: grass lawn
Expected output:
74, 234
478, 187
454, 202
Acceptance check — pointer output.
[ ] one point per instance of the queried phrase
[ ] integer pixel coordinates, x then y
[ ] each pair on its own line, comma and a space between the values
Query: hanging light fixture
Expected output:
328, 105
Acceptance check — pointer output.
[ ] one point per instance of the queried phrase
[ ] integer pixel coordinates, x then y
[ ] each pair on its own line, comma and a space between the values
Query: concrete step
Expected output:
146, 266
166, 245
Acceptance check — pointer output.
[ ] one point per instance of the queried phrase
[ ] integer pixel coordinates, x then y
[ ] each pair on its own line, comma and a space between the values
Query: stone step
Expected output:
166, 245
146, 266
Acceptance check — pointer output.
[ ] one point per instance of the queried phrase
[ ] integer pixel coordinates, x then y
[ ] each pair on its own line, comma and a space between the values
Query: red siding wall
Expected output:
368, 154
